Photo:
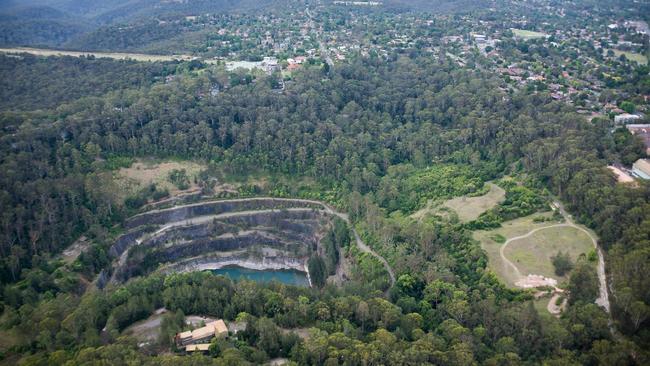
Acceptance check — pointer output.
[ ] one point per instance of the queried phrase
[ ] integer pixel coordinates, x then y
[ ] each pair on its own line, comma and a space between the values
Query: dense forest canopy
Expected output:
29, 83
352, 127
378, 137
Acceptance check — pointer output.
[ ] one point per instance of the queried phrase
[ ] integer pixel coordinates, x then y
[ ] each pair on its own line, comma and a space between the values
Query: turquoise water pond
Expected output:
289, 277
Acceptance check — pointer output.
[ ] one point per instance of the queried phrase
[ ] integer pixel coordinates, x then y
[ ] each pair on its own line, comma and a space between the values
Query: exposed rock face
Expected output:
127, 240
161, 217
256, 233
245, 260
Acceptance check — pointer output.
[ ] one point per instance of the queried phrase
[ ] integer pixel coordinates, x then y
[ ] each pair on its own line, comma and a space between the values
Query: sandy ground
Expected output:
278, 361
553, 308
621, 176
197, 320
533, 281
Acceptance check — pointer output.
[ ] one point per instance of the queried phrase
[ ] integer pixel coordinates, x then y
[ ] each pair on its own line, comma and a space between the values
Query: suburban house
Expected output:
199, 339
626, 118
644, 132
641, 169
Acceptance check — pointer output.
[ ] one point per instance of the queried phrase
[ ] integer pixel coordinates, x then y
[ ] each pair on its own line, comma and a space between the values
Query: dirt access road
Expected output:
603, 298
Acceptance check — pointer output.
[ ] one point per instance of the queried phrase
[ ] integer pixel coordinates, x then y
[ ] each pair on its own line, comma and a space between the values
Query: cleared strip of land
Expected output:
113, 55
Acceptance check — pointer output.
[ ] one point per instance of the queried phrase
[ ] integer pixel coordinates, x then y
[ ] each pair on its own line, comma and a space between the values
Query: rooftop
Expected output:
201, 347
210, 329
643, 165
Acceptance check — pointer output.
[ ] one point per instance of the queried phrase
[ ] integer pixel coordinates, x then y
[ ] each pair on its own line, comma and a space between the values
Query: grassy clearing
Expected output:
632, 56
541, 305
509, 229
533, 254
469, 208
466, 208
145, 172
526, 34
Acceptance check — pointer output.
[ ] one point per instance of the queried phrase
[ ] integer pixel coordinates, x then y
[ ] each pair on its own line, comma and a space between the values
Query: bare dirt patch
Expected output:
553, 306
197, 320
534, 281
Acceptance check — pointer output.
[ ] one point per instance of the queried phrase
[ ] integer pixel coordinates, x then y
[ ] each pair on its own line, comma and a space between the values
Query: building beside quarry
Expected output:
199, 339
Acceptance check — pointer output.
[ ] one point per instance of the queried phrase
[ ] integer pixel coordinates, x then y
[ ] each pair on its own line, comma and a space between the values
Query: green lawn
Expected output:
469, 208
526, 34
637, 57
489, 242
533, 254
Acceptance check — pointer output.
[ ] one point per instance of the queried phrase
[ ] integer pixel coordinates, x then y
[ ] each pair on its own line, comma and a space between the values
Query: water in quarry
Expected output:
289, 277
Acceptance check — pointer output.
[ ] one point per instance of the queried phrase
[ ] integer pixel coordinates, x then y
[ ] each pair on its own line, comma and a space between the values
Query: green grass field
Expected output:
526, 34
469, 208
533, 254
541, 307
632, 56
489, 240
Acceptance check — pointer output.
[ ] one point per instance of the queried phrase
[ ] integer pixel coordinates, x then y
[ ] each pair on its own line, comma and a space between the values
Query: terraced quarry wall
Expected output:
214, 208
263, 233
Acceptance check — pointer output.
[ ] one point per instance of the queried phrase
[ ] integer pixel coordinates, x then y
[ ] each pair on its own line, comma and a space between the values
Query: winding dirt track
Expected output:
603, 298
326, 208
503, 247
